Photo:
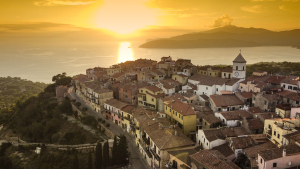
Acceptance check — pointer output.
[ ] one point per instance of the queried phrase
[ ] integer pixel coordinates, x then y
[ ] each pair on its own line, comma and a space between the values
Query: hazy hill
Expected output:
229, 36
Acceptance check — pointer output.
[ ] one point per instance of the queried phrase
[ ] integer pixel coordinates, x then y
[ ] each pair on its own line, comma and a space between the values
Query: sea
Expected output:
40, 63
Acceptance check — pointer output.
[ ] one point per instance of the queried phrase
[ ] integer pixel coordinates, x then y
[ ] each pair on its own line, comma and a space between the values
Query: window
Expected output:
283, 86
209, 73
206, 88
274, 164
173, 111
182, 117
166, 108
233, 108
288, 100
278, 135
237, 68
141, 91
269, 126
219, 109
243, 67
170, 109
176, 113
217, 89
224, 74
265, 102
204, 123
274, 133
152, 100
261, 161
179, 115
204, 140
297, 102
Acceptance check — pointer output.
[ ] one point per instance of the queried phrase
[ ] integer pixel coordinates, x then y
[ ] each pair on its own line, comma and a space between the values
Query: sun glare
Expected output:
124, 16
125, 52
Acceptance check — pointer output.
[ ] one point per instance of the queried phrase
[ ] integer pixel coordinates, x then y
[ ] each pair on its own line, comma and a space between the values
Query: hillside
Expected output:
15, 88
229, 36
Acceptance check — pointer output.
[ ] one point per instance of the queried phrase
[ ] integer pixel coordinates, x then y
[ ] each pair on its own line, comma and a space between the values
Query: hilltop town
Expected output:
187, 116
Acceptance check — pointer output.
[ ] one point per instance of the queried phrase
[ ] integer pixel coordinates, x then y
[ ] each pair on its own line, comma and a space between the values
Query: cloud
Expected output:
253, 9
36, 26
222, 21
282, 7
63, 2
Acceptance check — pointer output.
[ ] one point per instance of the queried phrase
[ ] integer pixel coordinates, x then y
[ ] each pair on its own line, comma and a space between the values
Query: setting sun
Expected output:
124, 16
125, 52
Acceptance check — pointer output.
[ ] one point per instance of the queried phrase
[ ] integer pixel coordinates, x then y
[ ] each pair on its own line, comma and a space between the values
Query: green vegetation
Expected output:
15, 88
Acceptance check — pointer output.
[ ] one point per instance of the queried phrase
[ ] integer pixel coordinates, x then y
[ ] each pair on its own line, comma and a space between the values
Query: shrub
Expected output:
107, 125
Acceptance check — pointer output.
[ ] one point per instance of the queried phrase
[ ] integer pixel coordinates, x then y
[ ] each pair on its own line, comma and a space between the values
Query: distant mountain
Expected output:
229, 36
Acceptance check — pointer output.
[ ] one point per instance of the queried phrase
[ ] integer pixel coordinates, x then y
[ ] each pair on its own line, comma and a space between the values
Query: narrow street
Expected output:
136, 159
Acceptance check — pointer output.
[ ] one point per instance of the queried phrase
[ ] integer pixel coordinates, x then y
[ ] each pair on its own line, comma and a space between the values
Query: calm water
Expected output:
41, 63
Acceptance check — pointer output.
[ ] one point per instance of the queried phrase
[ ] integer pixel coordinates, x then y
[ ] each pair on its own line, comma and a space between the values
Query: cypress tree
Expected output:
105, 155
123, 154
75, 162
114, 160
90, 161
98, 156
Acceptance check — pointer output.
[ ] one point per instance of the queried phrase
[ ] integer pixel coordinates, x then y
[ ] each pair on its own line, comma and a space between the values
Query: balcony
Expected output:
146, 140
153, 151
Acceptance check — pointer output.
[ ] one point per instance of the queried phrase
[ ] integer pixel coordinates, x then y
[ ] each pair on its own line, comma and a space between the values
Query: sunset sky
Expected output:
128, 16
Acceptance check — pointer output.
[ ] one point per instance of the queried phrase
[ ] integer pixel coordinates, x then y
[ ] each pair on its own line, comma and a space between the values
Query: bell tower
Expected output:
239, 67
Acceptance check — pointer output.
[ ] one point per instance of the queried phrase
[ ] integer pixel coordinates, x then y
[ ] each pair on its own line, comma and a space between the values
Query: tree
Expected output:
297, 73
114, 159
66, 107
78, 104
90, 161
123, 154
98, 156
105, 161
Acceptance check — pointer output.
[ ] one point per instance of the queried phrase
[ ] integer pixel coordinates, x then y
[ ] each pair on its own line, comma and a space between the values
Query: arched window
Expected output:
237, 68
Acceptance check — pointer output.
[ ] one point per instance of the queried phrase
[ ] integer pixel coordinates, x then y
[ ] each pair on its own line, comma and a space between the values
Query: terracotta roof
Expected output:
194, 87
239, 59
182, 108
204, 97
296, 137
164, 137
183, 155
242, 142
225, 100
255, 110
173, 82
128, 108
267, 115
255, 124
227, 69
210, 81
235, 115
181, 75
211, 118
117, 75
174, 97
100, 90
252, 152
246, 95
293, 80
81, 78
275, 79
116, 103
275, 153
290, 95
271, 97
156, 95
213, 159
159, 73
232, 82
224, 149
152, 88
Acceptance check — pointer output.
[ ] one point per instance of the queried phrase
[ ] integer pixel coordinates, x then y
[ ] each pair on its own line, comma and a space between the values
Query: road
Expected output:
136, 159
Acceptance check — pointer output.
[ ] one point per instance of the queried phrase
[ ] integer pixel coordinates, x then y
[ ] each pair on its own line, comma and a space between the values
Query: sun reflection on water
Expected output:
125, 52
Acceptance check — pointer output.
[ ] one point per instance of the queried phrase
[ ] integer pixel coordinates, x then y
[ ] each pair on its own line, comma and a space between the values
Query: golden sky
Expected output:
125, 16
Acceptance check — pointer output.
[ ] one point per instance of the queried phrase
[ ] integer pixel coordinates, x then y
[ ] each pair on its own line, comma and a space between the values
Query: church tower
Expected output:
239, 67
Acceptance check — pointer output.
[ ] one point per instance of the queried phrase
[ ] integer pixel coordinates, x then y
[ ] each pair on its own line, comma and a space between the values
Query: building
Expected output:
180, 158
157, 137
113, 110
181, 78
265, 101
283, 157
227, 73
291, 83
149, 96
127, 117
277, 128
245, 97
283, 110
183, 115
238, 144
128, 92
211, 159
259, 73
233, 118
239, 67
225, 103
99, 97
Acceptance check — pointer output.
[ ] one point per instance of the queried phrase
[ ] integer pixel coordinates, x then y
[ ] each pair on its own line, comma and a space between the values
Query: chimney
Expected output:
284, 152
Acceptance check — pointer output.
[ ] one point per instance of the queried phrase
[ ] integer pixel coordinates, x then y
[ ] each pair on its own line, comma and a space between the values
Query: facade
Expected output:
181, 78
225, 103
266, 102
283, 110
239, 67
233, 118
291, 83
149, 96
128, 93
284, 157
183, 115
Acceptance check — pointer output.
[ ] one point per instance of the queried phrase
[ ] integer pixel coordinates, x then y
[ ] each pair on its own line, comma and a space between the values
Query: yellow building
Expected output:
127, 117
210, 71
283, 110
181, 78
149, 95
183, 115
277, 128
100, 96
113, 70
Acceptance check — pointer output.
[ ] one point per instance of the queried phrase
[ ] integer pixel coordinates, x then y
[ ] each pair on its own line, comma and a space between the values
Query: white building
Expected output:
239, 67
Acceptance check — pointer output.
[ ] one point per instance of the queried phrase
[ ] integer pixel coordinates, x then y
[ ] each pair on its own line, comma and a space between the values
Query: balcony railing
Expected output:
154, 154
146, 140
